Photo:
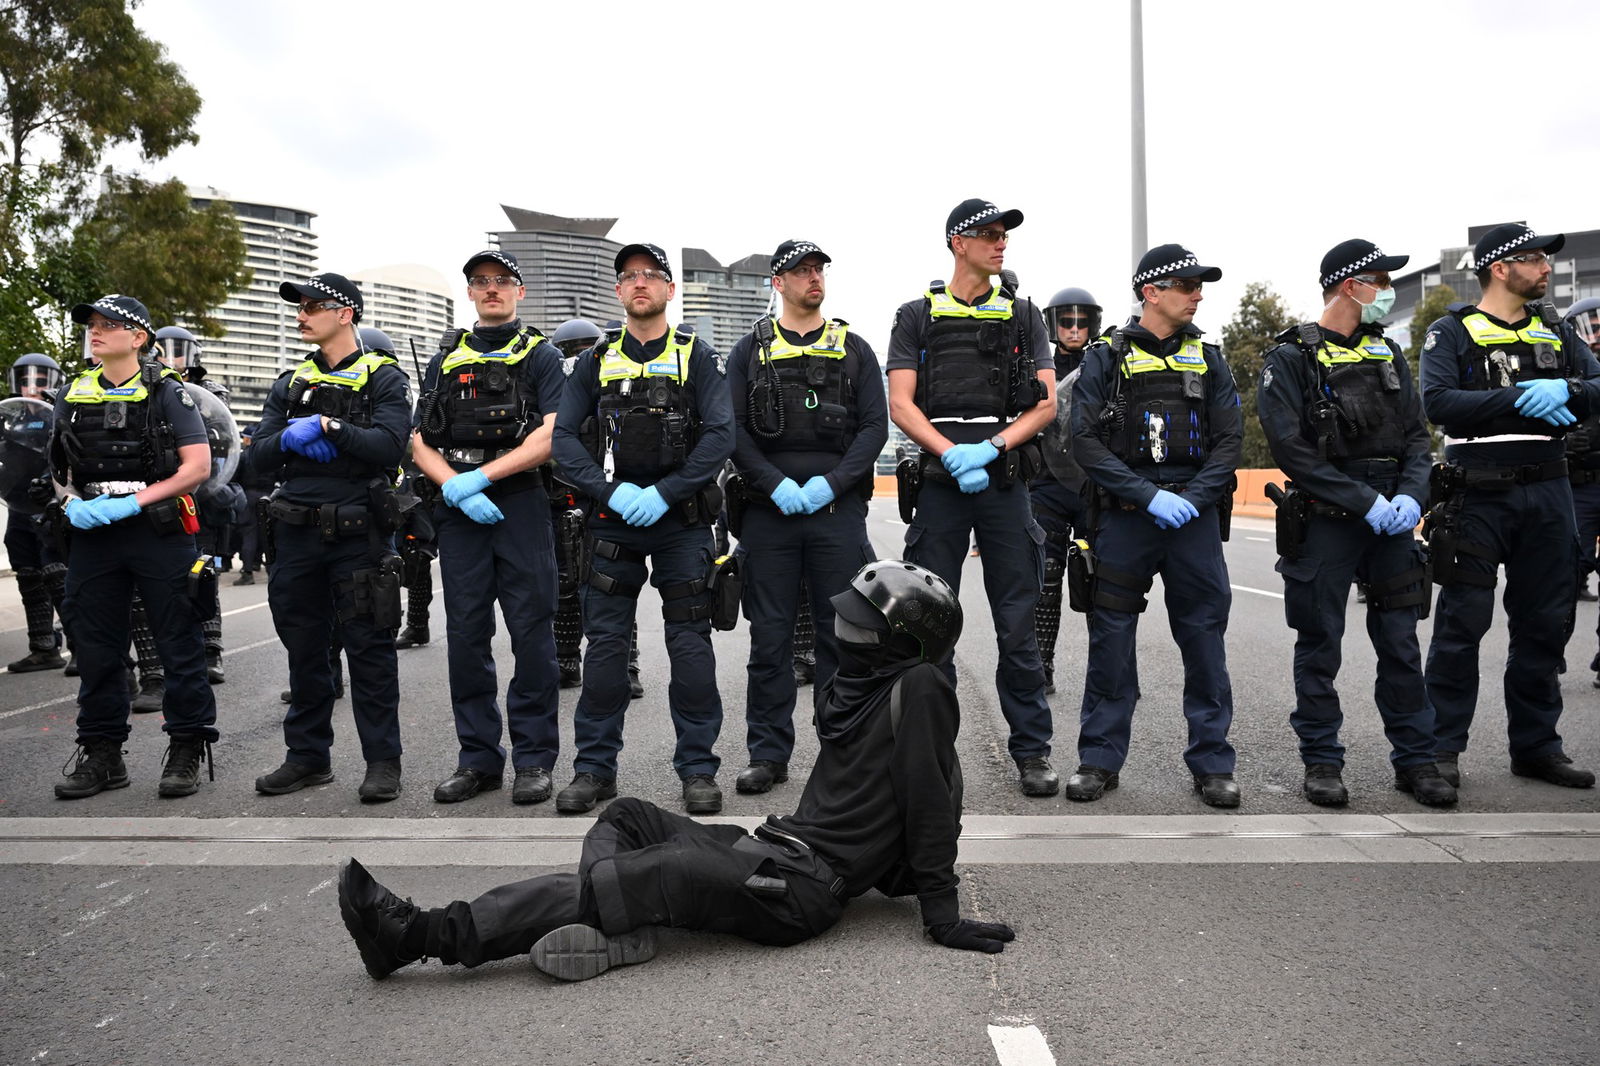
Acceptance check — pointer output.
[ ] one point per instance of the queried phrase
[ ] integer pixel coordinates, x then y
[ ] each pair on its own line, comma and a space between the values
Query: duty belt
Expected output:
1368, 468
114, 488
335, 520
1581, 475
1504, 477
1328, 510
475, 456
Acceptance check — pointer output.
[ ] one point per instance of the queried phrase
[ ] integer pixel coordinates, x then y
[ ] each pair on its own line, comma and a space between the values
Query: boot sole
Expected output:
579, 952
108, 786
36, 668
1408, 790
323, 778
573, 806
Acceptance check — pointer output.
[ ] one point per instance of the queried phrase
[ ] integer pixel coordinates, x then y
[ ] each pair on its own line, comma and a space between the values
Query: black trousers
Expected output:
642, 865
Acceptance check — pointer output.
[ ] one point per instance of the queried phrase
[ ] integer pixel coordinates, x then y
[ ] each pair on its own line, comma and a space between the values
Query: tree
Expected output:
1246, 339
1432, 307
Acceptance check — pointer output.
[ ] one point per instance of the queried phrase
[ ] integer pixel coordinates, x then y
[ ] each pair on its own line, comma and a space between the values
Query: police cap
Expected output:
790, 254
1511, 239
651, 250
118, 308
1171, 261
1356, 256
504, 259
324, 287
970, 214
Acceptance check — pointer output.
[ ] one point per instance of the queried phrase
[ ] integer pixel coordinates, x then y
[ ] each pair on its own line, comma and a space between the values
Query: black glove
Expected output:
968, 935
41, 490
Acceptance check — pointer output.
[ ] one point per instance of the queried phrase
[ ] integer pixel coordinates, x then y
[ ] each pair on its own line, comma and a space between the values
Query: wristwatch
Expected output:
334, 425
999, 443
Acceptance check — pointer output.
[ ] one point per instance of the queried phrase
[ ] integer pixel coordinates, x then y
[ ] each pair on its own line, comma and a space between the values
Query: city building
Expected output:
412, 304
1575, 275
721, 302
567, 264
261, 337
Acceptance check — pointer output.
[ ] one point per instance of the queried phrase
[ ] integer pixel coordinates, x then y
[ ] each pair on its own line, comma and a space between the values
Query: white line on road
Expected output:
1258, 592
242, 610
1020, 1045
1264, 540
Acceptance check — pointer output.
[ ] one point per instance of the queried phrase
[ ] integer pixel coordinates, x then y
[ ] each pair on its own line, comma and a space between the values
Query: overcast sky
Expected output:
1274, 130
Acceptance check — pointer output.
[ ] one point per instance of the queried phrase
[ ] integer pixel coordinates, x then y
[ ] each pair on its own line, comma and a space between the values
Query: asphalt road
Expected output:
1151, 929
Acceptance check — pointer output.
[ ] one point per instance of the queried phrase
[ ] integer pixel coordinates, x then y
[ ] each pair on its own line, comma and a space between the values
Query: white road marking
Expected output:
1264, 540
1020, 1045
1258, 592
242, 610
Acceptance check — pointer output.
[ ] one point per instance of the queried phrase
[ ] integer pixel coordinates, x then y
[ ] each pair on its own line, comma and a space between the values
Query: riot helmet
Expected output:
905, 610
376, 340
179, 348
34, 374
1072, 298
1584, 318
575, 335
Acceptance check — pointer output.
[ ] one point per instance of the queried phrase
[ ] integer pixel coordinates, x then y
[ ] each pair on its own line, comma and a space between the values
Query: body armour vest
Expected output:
481, 398
1166, 418
112, 434
969, 363
818, 396
338, 394
1356, 411
646, 423
1501, 357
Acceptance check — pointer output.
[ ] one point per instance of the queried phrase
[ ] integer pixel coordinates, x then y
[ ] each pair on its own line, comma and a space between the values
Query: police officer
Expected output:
256, 485
129, 446
1344, 423
41, 575
1073, 319
1583, 462
1155, 426
489, 400
882, 809
336, 427
811, 420
1504, 380
972, 380
644, 427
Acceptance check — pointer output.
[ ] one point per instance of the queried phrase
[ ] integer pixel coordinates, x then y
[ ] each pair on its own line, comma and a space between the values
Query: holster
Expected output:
375, 592
701, 507
735, 502
168, 516
1225, 507
264, 527
727, 588
1291, 522
1080, 577
573, 544
1441, 528
202, 585
908, 480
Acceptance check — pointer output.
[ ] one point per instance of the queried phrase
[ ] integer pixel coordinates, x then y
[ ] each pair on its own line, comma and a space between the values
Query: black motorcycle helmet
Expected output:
575, 335
374, 339
901, 607
1073, 297
34, 372
1584, 318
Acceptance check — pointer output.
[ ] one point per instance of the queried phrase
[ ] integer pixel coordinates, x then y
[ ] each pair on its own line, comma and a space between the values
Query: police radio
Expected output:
765, 400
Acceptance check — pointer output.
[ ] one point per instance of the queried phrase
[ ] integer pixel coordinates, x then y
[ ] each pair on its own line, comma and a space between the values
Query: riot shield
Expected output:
1056, 437
25, 426
222, 433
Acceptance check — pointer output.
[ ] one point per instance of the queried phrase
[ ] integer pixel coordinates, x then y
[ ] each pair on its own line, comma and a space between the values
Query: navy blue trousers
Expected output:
1194, 578
676, 553
1012, 544
106, 565
1530, 528
305, 590
512, 561
782, 553
1316, 590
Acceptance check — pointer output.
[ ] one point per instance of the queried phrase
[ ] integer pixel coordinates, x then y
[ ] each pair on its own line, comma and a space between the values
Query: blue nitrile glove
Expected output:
1561, 416
646, 508
622, 494
84, 514
818, 494
960, 458
461, 486
1379, 515
1407, 513
116, 508
1541, 397
789, 498
1171, 510
973, 481
480, 509
299, 433
322, 450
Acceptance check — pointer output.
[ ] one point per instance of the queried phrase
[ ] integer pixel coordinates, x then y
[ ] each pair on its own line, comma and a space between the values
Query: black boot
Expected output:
152, 691
413, 636
180, 772
1324, 785
377, 919
40, 618
214, 673
1426, 783
99, 767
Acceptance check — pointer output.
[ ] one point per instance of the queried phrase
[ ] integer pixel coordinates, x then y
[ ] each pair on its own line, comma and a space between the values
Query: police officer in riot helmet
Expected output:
574, 336
1344, 423
335, 427
1155, 426
1505, 380
1073, 319
881, 809
488, 406
972, 381
1583, 456
129, 447
811, 420
644, 427
41, 574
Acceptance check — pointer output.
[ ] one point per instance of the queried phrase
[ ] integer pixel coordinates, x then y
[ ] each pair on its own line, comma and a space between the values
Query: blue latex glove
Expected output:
480, 509
646, 508
973, 481
116, 508
818, 494
85, 514
461, 486
1407, 513
1380, 515
789, 498
1541, 397
960, 458
299, 433
1171, 510
322, 450
622, 494
1561, 416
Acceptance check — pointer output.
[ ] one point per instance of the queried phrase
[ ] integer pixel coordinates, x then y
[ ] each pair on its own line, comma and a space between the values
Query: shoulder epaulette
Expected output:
936, 286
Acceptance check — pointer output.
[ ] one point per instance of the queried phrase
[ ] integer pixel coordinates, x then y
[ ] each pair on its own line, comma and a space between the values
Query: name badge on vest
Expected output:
123, 390
345, 375
662, 367
1189, 360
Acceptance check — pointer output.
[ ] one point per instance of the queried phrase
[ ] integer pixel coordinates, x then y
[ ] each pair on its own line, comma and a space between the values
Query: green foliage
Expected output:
1432, 308
1246, 339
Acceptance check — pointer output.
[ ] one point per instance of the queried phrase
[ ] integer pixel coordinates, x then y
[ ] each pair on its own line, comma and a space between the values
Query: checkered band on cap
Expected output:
1351, 269
1164, 270
315, 281
1523, 238
502, 260
109, 304
989, 211
794, 255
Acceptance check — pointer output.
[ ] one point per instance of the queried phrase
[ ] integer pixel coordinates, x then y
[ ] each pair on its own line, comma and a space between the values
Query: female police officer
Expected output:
129, 446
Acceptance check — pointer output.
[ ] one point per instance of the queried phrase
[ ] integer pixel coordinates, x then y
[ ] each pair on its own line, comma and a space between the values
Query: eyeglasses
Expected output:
809, 271
628, 276
1073, 321
993, 236
311, 307
105, 325
1374, 281
1183, 285
1536, 258
498, 281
